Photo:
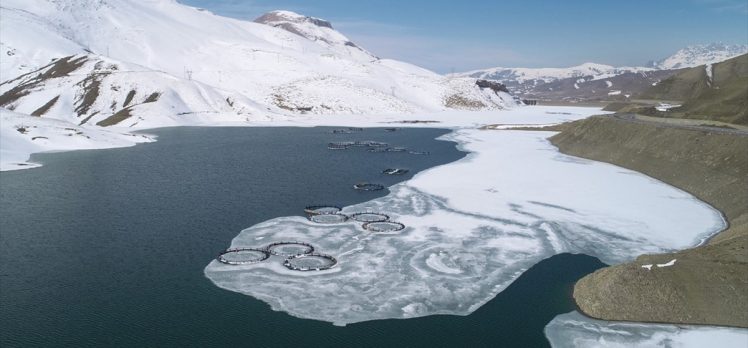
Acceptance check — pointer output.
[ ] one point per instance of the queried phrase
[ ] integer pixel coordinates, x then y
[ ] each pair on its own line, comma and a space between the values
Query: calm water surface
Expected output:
107, 247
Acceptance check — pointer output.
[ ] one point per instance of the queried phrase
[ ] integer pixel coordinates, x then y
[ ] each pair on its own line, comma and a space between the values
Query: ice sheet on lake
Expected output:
574, 330
473, 227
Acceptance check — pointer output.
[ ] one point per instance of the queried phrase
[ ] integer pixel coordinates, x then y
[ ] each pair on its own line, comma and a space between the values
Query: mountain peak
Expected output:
281, 16
312, 28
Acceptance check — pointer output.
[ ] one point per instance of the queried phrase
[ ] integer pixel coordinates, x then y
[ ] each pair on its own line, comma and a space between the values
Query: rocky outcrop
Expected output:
706, 284
494, 86
281, 16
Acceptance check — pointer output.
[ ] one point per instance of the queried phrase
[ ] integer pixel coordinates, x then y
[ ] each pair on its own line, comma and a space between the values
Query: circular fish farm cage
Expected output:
367, 186
339, 145
347, 130
243, 256
369, 217
310, 262
394, 171
290, 249
334, 218
322, 209
376, 144
383, 226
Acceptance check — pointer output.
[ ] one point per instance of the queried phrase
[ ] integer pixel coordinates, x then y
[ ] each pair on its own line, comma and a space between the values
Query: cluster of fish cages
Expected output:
388, 149
372, 221
343, 145
373, 146
299, 256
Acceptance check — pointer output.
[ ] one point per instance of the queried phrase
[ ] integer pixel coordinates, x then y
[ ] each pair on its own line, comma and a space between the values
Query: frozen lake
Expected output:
471, 228
108, 247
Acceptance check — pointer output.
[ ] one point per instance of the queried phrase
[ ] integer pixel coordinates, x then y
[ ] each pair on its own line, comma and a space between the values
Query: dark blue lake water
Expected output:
107, 247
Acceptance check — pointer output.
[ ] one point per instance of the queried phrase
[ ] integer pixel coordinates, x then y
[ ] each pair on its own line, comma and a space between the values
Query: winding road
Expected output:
672, 123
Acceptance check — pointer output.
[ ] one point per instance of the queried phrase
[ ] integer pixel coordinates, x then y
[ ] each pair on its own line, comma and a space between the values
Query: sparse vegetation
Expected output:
44, 108
128, 98
118, 117
152, 98
90, 86
58, 68
457, 101
280, 102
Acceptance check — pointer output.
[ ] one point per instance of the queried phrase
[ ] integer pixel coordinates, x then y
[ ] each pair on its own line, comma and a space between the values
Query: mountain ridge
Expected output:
581, 82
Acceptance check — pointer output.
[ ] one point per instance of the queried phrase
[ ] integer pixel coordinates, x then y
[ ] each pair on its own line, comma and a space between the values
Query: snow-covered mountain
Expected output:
592, 81
696, 55
148, 63
585, 81
545, 75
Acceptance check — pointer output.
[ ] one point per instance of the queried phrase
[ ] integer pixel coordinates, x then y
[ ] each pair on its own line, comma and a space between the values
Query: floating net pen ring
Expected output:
331, 218
322, 209
310, 262
366, 186
383, 226
243, 256
282, 248
395, 171
369, 217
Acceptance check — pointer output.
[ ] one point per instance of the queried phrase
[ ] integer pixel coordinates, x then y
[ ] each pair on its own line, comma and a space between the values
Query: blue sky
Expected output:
462, 35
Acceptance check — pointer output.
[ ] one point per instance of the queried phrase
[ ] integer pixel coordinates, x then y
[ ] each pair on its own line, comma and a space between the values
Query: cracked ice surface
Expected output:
472, 227
574, 330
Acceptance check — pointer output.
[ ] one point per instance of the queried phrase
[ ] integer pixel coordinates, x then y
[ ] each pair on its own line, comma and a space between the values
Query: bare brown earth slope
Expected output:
717, 92
707, 284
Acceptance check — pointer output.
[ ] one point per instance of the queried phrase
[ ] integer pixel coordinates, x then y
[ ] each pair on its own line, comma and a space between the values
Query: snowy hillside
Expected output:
83, 59
22, 135
696, 55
